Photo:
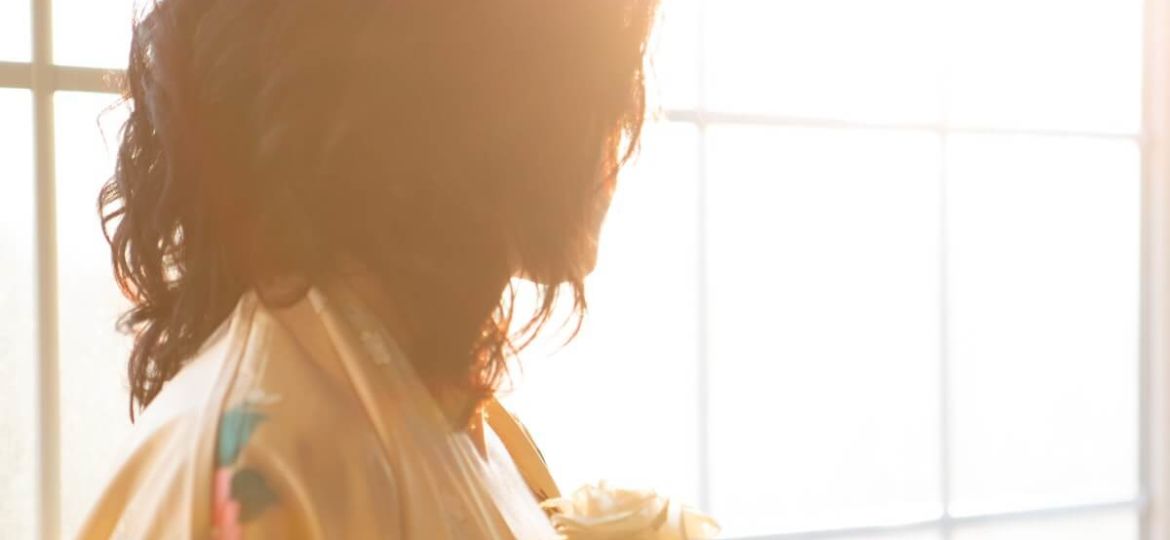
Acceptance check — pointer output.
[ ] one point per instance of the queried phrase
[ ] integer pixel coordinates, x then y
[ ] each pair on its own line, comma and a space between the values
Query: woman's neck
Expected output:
461, 407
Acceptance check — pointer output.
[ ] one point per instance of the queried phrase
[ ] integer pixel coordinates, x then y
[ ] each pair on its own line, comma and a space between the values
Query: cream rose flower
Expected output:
604, 513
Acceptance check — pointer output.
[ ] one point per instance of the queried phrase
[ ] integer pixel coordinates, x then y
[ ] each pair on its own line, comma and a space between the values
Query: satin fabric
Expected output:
309, 422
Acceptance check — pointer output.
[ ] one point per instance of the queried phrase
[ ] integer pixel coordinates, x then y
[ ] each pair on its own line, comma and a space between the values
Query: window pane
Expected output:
92, 33
673, 80
1047, 63
1091, 526
619, 402
824, 266
94, 408
1043, 261
18, 360
15, 31
846, 59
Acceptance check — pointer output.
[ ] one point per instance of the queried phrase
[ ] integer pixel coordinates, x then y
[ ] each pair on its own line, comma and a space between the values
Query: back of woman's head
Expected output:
445, 146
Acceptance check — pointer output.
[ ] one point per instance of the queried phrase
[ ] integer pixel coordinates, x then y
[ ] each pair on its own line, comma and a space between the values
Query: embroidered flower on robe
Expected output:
240, 493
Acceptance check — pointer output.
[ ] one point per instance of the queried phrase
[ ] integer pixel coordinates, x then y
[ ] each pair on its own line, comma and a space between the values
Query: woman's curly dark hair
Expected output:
445, 146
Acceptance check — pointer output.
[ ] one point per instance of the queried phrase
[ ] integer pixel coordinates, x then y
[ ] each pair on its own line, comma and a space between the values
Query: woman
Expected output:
318, 208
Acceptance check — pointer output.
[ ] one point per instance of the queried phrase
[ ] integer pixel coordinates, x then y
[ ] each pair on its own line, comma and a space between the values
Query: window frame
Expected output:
1152, 501
43, 79
1154, 462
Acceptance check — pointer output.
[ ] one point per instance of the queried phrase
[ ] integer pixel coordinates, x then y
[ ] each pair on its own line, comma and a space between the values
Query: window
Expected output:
94, 412
876, 274
64, 390
17, 335
910, 303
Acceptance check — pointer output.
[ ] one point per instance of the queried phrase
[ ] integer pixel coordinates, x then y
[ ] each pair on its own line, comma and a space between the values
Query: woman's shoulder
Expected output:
252, 407
256, 357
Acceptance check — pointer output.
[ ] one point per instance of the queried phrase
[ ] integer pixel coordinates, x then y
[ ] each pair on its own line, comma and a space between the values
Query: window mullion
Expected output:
15, 75
702, 383
946, 401
48, 414
1154, 371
